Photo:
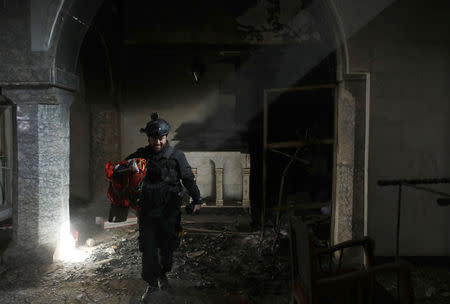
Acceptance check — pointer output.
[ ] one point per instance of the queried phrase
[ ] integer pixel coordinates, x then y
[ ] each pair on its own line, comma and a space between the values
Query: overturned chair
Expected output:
319, 276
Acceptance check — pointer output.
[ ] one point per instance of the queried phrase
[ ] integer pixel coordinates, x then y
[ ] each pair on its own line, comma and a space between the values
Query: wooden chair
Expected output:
314, 283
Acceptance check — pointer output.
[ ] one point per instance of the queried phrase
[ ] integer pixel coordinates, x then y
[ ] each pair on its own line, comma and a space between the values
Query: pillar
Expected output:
194, 171
349, 217
344, 168
219, 186
246, 188
245, 164
351, 158
105, 147
41, 200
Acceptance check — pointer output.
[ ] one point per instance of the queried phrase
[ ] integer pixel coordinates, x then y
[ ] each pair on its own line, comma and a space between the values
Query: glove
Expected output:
194, 207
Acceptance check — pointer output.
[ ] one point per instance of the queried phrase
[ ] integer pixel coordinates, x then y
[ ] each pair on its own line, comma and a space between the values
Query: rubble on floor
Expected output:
431, 283
220, 260
217, 267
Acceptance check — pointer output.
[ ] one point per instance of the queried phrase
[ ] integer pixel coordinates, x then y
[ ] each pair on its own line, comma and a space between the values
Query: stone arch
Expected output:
340, 39
42, 98
71, 25
78, 32
349, 215
73, 18
65, 28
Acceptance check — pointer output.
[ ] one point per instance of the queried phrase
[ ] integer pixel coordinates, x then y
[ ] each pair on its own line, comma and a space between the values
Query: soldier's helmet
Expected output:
156, 126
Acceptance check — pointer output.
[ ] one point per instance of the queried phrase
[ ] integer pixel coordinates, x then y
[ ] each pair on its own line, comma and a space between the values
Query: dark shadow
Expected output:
218, 132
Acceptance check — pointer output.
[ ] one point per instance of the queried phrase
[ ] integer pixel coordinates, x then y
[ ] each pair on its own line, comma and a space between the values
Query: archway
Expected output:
65, 36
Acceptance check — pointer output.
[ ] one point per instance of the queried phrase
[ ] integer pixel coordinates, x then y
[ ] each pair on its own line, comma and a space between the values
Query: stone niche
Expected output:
210, 166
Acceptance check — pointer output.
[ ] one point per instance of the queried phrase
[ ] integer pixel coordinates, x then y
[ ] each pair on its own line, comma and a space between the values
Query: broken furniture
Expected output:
314, 282
291, 143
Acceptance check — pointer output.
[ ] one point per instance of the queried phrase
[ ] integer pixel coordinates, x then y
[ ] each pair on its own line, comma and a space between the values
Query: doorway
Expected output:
298, 154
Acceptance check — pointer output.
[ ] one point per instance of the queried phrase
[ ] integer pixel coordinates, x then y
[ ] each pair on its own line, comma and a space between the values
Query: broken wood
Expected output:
103, 261
112, 225
217, 231
281, 196
195, 254
303, 206
304, 161
299, 143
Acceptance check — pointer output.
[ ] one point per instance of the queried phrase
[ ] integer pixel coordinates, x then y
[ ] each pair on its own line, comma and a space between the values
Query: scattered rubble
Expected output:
90, 242
222, 266
195, 254
215, 263
431, 291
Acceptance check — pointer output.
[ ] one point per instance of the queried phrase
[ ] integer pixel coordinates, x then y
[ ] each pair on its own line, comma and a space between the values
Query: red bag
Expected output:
126, 178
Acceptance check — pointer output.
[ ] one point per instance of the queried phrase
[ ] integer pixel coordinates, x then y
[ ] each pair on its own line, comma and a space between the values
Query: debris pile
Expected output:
215, 263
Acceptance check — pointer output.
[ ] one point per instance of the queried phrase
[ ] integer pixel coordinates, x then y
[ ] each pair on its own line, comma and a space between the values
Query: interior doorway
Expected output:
298, 156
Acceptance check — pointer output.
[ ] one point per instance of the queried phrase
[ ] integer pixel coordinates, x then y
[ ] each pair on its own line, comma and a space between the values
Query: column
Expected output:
246, 188
219, 186
105, 146
194, 171
245, 164
342, 228
41, 199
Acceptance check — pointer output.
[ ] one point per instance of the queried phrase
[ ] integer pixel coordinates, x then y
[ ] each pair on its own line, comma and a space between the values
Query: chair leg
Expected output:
405, 290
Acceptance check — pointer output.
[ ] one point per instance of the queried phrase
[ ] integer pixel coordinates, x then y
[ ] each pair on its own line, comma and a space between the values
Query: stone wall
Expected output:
232, 164
80, 149
41, 205
105, 146
405, 50
19, 63
202, 116
342, 227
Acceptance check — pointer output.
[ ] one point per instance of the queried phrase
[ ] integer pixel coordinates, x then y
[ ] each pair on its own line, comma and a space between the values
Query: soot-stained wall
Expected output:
406, 51
201, 115
80, 133
95, 120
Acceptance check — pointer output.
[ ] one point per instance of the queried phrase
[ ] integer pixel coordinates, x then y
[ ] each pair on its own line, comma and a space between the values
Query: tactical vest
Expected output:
162, 187
163, 169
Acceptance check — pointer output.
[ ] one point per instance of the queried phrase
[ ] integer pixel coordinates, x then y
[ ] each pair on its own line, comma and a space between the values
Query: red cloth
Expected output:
125, 180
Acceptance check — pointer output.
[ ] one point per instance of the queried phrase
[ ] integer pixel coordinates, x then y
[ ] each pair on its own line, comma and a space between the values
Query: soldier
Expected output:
159, 212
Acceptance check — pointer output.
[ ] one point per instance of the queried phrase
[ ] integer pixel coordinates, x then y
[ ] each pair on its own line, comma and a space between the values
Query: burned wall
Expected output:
80, 147
201, 113
95, 120
405, 49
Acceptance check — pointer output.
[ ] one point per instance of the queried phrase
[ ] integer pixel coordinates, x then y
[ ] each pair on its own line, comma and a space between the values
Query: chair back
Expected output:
300, 260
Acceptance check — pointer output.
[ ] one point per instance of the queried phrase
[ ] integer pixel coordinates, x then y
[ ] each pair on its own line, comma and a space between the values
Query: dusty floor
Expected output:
431, 283
218, 267
222, 266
